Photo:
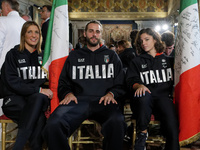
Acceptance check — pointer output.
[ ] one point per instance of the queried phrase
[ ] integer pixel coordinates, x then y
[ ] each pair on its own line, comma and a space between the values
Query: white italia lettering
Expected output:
44, 74
169, 74
93, 72
156, 76
81, 71
97, 76
104, 71
89, 72
73, 72
141, 77
31, 72
152, 77
163, 75
24, 75
146, 76
38, 70
110, 71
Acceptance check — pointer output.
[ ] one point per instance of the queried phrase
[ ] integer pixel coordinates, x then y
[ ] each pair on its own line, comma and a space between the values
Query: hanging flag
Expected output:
187, 72
56, 46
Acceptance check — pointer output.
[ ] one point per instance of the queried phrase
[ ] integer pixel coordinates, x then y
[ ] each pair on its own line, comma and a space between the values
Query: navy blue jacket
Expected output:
155, 73
91, 73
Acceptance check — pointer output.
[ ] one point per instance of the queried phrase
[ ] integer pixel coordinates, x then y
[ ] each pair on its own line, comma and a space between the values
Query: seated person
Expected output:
89, 85
25, 101
150, 78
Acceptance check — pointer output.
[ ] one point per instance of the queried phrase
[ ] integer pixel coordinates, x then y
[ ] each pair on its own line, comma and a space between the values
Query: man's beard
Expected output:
92, 44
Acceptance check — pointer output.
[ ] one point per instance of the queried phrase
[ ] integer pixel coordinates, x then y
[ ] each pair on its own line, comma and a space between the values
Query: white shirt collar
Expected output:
46, 19
13, 13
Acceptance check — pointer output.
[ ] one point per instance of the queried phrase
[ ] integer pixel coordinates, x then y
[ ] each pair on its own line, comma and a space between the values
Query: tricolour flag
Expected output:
187, 72
56, 46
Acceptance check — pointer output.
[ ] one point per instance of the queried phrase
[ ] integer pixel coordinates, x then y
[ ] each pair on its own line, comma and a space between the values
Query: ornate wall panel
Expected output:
117, 9
116, 32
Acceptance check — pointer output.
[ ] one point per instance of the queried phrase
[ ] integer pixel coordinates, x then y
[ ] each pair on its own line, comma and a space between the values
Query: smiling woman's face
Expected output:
31, 37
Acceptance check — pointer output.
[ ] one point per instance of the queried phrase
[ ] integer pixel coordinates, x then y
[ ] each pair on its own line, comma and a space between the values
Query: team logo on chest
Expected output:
106, 58
40, 60
144, 66
81, 60
164, 63
22, 61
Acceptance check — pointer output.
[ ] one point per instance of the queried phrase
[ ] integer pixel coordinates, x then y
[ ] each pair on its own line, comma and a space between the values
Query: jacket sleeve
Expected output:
118, 88
64, 83
133, 75
12, 80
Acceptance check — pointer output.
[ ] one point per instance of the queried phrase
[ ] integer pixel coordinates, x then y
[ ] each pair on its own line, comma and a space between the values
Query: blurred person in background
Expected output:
10, 27
169, 39
45, 16
26, 17
112, 47
126, 52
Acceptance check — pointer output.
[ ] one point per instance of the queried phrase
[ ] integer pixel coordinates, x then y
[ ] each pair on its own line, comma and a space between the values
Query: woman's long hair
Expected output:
23, 32
159, 45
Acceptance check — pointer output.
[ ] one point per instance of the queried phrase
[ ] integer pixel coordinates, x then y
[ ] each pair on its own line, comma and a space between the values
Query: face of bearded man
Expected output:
93, 41
93, 35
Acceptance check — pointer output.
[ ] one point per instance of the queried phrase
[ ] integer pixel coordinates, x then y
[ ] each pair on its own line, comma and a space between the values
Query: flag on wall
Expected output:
56, 46
187, 72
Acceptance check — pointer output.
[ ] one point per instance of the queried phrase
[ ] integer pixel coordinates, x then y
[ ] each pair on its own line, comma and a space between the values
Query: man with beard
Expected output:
90, 85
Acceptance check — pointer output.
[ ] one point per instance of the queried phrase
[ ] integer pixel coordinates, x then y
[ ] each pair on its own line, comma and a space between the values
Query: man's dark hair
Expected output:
49, 7
13, 4
168, 38
93, 21
133, 34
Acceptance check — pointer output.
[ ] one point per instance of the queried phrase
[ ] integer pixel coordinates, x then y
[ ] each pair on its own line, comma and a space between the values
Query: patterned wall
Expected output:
118, 5
116, 32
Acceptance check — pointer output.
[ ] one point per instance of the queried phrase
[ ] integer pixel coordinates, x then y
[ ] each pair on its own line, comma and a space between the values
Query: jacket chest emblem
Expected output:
106, 58
40, 60
164, 63
22, 61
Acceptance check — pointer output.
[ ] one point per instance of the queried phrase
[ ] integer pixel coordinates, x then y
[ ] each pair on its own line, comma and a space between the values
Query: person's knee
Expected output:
145, 100
39, 96
54, 122
39, 99
116, 121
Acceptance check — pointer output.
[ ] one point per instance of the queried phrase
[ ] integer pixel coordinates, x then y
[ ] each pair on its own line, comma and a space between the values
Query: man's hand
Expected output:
47, 92
107, 99
68, 98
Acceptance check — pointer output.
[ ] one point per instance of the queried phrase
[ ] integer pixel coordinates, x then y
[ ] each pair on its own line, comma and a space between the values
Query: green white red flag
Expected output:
56, 46
187, 72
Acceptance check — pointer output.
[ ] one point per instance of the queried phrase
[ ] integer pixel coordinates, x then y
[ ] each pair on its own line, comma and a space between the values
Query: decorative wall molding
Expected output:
117, 9
41, 2
116, 15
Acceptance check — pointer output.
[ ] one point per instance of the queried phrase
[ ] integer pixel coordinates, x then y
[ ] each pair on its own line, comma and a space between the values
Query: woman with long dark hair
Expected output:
150, 78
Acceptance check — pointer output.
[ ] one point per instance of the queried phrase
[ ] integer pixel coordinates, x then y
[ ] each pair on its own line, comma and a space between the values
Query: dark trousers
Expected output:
67, 118
28, 113
164, 110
